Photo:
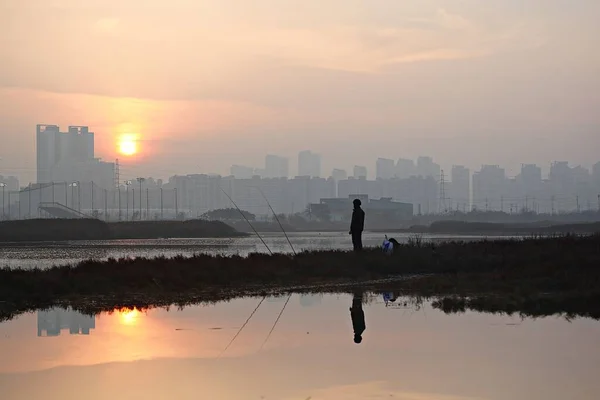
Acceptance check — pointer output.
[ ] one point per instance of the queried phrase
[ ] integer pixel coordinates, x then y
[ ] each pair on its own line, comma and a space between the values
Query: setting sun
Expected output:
128, 145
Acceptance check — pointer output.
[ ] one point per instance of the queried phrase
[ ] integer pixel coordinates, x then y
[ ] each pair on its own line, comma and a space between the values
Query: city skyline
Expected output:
199, 88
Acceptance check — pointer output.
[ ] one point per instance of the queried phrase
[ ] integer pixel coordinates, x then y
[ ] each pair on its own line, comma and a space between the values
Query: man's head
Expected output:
356, 203
357, 339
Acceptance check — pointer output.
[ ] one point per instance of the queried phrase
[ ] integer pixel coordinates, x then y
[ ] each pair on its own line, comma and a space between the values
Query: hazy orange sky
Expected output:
209, 83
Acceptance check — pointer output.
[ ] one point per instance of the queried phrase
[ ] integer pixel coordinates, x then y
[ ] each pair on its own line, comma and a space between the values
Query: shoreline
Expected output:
518, 275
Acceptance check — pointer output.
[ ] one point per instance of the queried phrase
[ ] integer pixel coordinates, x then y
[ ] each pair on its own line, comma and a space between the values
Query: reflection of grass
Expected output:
509, 275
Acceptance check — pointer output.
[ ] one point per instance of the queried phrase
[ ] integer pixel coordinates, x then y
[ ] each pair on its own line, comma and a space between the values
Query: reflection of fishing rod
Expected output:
276, 218
244, 216
275, 324
243, 326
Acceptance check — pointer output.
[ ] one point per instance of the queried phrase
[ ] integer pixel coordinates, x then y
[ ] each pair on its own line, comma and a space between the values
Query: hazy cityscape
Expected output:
69, 174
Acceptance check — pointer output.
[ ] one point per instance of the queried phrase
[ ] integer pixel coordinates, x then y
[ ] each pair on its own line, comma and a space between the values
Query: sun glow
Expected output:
129, 317
128, 145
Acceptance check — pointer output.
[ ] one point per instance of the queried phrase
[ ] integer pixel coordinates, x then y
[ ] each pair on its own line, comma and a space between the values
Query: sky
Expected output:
204, 84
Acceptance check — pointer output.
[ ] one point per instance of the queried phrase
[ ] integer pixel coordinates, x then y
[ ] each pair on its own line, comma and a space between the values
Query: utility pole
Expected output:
486, 205
119, 201
162, 214
127, 183
105, 205
552, 202
141, 180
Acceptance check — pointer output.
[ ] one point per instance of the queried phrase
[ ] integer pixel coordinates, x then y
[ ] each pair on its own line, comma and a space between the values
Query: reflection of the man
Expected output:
358, 316
52, 322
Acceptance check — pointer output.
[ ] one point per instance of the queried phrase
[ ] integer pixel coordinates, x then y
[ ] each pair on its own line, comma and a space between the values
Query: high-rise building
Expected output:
405, 168
69, 157
460, 187
276, 167
339, 174
489, 188
360, 172
596, 175
309, 164
385, 169
426, 167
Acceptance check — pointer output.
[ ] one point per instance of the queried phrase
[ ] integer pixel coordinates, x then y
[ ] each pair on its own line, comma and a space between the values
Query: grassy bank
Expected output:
39, 230
510, 274
493, 228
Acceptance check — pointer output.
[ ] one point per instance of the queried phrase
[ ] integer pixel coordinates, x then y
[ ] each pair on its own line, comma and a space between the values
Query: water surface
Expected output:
406, 353
48, 254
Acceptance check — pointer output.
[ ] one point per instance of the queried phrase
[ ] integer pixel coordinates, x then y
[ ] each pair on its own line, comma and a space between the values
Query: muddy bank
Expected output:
41, 230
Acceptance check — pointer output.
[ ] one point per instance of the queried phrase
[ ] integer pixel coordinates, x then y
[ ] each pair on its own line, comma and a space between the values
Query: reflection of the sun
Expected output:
128, 317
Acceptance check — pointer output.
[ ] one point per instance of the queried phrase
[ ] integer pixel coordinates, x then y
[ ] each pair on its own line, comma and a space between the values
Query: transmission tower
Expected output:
442, 208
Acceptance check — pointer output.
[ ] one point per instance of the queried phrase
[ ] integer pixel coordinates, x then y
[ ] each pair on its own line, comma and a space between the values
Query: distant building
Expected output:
426, 167
385, 169
241, 172
460, 188
52, 322
596, 176
69, 157
339, 174
382, 209
276, 167
489, 188
360, 172
309, 164
405, 168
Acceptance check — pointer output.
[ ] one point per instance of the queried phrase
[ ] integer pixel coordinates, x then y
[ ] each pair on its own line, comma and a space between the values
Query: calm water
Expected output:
406, 353
45, 255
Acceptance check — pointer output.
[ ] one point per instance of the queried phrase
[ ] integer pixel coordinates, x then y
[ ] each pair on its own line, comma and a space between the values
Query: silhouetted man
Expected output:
357, 225
358, 317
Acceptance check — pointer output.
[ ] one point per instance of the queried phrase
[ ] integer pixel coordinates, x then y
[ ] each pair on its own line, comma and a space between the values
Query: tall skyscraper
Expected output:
309, 164
276, 167
405, 168
385, 169
489, 187
69, 157
339, 174
596, 175
426, 167
460, 188
360, 172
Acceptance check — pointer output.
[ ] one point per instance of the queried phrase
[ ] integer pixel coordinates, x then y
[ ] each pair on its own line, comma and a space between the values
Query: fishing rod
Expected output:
244, 216
277, 219
242, 328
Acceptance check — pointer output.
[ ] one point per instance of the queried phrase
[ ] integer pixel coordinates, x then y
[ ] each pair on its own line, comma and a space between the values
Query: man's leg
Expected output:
357, 241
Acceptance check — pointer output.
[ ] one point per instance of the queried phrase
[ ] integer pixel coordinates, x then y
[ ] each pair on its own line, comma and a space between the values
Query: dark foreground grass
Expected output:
535, 275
